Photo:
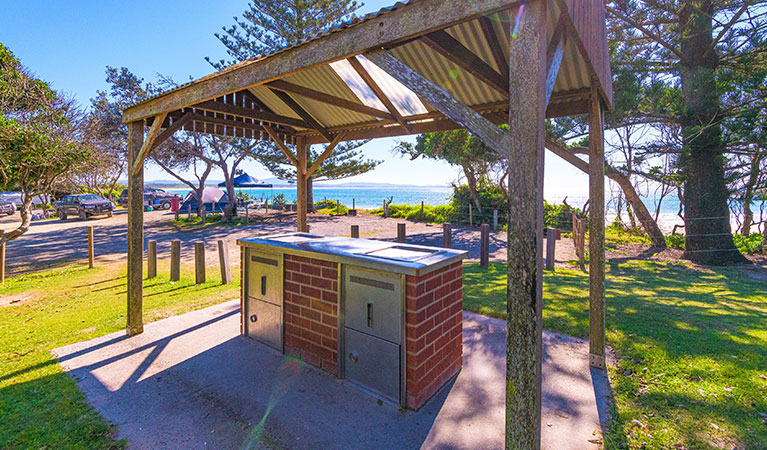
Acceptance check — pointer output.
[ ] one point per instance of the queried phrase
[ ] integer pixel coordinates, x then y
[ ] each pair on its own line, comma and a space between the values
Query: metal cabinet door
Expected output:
373, 363
263, 322
374, 302
264, 276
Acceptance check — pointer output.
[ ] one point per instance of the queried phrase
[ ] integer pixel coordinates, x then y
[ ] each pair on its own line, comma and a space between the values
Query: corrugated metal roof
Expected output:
340, 80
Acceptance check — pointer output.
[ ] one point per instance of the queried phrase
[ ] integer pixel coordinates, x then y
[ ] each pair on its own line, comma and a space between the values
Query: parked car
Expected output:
157, 198
7, 207
83, 206
13, 197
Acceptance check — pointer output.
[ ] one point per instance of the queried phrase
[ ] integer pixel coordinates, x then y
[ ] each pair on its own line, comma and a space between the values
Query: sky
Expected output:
69, 44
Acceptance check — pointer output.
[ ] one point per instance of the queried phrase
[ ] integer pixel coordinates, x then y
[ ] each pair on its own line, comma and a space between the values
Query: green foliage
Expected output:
559, 216
331, 207
244, 196
279, 200
430, 214
617, 233
749, 245
675, 241
490, 197
689, 345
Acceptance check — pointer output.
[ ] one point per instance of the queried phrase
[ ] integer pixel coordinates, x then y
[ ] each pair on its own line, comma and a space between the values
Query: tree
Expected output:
41, 136
177, 154
345, 161
270, 25
683, 48
460, 148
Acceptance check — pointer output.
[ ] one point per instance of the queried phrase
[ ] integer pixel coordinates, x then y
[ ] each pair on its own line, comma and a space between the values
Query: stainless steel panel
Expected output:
264, 273
263, 322
373, 363
374, 302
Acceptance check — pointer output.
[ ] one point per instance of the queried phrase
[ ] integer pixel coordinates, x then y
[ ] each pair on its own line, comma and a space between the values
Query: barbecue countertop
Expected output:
409, 259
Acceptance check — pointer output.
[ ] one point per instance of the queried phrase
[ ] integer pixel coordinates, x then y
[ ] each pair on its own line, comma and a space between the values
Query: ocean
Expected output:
364, 198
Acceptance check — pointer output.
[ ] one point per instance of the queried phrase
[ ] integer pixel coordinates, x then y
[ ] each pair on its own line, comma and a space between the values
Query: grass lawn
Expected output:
691, 348
40, 406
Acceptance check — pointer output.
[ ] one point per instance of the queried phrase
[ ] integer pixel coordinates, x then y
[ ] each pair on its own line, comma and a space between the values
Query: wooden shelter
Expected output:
417, 67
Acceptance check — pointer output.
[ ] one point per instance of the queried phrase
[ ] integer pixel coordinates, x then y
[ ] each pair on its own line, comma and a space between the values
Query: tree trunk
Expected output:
26, 219
471, 181
231, 208
310, 195
649, 224
707, 216
748, 195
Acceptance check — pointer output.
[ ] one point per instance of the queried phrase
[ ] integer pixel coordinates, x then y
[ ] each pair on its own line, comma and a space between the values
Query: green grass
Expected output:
691, 347
185, 223
40, 406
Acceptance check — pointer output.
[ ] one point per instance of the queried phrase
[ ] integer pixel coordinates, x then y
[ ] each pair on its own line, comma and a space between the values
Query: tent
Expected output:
215, 200
246, 180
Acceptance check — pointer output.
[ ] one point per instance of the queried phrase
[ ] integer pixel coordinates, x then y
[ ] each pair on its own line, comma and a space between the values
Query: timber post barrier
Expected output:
151, 259
447, 235
91, 253
484, 246
356, 231
199, 262
175, 260
401, 233
223, 261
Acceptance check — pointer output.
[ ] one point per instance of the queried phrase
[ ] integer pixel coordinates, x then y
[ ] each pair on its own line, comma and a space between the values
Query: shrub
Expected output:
331, 207
749, 245
430, 214
675, 241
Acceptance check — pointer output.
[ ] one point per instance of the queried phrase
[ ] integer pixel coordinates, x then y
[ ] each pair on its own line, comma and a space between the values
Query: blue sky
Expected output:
69, 43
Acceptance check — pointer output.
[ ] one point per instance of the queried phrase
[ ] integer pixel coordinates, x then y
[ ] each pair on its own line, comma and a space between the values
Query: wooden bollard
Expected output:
471, 216
2, 259
385, 209
175, 217
551, 242
175, 260
151, 259
447, 235
495, 220
223, 261
199, 262
247, 215
354, 205
421, 207
338, 206
484, 246
189, 211
91, 253
401, 233
356, 231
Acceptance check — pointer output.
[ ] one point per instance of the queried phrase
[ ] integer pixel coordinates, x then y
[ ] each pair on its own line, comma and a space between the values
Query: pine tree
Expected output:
270, 25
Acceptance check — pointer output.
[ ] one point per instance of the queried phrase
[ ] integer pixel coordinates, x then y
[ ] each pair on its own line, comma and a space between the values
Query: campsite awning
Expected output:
247, 181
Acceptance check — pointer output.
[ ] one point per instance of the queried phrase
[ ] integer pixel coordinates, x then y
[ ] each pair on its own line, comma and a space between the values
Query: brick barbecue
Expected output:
387, 317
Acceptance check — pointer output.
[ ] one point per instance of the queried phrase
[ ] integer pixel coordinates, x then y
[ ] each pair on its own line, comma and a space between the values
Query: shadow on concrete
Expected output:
193, 381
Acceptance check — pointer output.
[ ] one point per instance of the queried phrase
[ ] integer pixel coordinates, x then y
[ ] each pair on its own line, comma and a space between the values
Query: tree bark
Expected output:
649, 224
471, 181
748, 194
310, 195
707, 216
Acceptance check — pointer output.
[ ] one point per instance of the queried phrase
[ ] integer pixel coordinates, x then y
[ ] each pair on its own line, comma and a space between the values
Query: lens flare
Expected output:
290, 370
519, 20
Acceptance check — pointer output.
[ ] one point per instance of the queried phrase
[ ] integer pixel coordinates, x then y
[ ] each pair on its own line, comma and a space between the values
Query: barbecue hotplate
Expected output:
296, 238
402, 253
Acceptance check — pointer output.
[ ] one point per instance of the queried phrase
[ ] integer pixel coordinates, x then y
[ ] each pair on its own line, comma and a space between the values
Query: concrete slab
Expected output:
192, 381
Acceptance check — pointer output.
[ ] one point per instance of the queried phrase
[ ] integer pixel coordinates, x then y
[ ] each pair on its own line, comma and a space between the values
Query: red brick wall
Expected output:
311, 311
434, 331
242, 291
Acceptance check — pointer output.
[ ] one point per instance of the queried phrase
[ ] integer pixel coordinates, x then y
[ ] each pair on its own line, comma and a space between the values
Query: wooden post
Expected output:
199, 262
301, 149
354, 204
175, 260
355, 231
527, 125
135, 323
495, 220
484, 246
2, 259
551, 242
175, 216
189, 211
223, 262
385, 209
91, 252
421, 208
338, 207
401, 233
471, 216
596, 232
151, 259
447, 235
247, 215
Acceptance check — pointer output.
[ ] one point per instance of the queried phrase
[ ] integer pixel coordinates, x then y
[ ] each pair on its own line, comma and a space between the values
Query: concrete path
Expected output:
191, 381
